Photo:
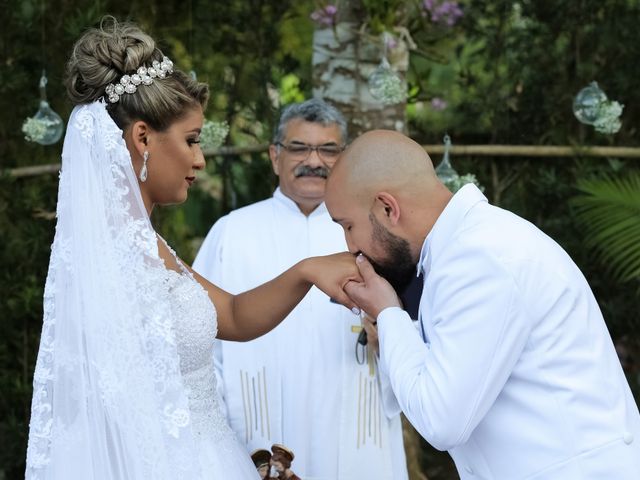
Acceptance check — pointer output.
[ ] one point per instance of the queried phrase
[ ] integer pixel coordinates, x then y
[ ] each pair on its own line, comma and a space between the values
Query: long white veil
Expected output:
108, 398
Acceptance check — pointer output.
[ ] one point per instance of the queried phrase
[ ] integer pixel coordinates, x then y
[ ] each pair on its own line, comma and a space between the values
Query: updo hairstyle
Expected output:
103, 55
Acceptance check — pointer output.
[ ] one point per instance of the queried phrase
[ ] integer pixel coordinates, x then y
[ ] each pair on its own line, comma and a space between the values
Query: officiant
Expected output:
301, 384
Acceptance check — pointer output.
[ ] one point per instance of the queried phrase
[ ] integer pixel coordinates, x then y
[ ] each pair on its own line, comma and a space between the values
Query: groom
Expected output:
512, 369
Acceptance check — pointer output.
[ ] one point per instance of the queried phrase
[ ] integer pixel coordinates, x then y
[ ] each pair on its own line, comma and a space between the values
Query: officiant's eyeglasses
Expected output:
302, 151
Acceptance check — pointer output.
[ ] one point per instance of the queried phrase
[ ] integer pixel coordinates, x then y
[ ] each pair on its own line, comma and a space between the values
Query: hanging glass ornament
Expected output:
386, 85
46, 126
444, 170
592, 107
587, 103
447, 175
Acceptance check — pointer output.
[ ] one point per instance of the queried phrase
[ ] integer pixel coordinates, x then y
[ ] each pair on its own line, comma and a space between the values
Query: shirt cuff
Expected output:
390, 321
391, 314
395, 327
390, 405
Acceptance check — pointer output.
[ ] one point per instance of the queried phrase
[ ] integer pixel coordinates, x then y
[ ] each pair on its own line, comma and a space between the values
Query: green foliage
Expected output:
609, 211
508, 72
290, 89
512, 79
384, 15
27, 231
518, 65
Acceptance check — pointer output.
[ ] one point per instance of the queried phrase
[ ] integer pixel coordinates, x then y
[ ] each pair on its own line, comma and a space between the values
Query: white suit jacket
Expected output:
512, 370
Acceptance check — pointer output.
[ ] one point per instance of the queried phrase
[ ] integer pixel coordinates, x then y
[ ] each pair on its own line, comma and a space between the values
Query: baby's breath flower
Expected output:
386, 86
457, 182
608, 121
213, 134
35, 129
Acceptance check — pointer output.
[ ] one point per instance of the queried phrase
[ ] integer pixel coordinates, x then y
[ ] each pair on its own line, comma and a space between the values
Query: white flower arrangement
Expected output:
386, 86
592, 107
608, 121
213, 134
36, 129
456, 182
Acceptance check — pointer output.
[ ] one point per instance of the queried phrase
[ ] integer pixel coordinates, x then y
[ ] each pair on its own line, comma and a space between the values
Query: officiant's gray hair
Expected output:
314, 111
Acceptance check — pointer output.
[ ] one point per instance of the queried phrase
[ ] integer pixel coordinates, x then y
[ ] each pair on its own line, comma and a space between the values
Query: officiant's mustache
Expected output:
307, 171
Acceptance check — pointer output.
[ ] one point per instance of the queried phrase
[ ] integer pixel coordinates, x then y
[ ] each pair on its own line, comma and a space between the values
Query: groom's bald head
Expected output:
383, 160
384, 193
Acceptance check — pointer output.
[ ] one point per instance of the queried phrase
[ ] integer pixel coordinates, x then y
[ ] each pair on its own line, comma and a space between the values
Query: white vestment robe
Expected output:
300, 384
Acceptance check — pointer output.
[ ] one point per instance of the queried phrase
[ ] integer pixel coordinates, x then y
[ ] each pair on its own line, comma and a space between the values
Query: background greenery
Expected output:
508, 72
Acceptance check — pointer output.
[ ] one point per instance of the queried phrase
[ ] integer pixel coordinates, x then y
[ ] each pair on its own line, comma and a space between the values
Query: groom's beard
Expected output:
398, 268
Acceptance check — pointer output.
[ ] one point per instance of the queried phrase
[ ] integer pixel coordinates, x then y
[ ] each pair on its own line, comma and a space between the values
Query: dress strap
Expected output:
180, 263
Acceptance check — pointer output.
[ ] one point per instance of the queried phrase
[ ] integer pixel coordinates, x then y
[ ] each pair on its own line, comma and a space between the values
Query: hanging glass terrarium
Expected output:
587, 103
592, 107
386, 85
46, 126
444, 170
448, 175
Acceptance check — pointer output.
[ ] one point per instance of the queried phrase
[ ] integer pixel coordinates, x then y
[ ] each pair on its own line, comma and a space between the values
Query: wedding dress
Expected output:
219, 452
124, 385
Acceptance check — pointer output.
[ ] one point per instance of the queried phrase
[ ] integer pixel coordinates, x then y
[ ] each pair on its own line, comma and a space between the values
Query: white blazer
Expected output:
512, 370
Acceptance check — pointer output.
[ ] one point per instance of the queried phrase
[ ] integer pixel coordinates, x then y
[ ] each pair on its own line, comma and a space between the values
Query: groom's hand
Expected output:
374, 293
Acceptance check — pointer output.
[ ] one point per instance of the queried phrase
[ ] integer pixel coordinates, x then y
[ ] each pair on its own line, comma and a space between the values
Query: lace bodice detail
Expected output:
196, 326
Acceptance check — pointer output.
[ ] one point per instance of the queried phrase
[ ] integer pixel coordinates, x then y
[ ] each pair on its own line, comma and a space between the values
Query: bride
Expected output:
124, 386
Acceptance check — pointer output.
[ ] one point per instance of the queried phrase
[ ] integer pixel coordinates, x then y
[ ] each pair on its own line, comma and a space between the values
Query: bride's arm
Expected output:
253, 313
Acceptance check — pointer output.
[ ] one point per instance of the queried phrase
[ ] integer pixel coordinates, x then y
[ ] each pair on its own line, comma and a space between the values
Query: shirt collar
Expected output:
293, 207
447, 223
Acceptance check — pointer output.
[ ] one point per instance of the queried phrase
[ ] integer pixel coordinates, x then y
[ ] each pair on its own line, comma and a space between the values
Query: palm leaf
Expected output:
608, 209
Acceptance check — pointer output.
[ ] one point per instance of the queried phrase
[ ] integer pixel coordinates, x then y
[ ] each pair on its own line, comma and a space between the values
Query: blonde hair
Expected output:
103, 55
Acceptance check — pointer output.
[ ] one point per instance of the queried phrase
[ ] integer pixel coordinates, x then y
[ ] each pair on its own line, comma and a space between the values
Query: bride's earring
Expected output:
143, 170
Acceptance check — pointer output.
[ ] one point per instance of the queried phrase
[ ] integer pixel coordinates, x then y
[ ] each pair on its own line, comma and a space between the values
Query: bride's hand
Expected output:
330, 273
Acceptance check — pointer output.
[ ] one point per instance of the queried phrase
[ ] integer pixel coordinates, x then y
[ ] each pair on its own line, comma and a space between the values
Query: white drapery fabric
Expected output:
108, 398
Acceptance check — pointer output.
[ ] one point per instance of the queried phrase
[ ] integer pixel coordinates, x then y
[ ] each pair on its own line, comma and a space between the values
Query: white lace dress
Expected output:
219, 452
124, 385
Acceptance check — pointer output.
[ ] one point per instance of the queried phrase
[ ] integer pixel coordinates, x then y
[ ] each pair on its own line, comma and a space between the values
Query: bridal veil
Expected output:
108, 401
